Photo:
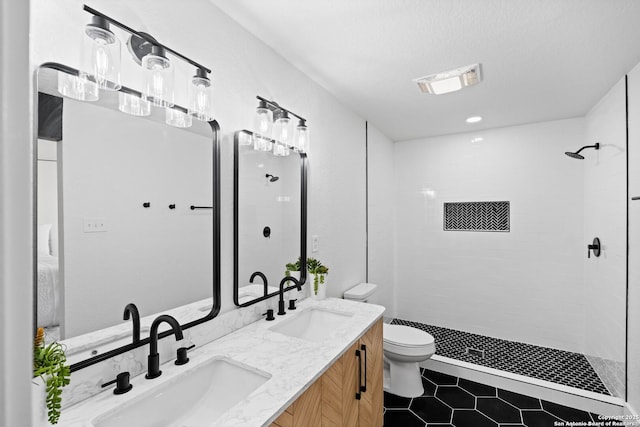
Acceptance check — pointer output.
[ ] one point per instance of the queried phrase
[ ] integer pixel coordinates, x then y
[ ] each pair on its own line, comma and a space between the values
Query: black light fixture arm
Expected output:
275, 106
145, 37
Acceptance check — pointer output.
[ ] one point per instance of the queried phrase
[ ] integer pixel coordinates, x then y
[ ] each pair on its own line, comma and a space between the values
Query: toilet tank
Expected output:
360, 292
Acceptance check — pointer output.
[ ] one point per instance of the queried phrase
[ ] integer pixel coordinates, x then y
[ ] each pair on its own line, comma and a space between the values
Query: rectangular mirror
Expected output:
127, 212
270, 219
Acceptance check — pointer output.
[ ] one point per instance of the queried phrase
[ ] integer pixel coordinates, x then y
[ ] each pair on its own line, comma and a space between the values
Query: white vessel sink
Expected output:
196, 398
313, 324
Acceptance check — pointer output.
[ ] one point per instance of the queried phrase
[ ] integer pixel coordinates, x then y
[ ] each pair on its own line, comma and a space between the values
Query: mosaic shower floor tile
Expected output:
543, 363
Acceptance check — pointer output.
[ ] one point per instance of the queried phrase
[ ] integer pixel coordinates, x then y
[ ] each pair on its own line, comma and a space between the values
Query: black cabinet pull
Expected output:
359, 356
363, 388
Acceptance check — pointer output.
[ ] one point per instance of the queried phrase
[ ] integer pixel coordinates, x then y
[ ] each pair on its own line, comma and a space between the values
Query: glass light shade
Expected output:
245, 138
158, 76
301, 138
282, 129
178, 118
77, 87
280, 149
101, 54
282, 133
134, 105
201, 97
262, 128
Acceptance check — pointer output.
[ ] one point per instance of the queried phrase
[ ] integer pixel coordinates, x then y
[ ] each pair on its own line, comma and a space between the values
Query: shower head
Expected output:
574, 155
272, 178
577, 154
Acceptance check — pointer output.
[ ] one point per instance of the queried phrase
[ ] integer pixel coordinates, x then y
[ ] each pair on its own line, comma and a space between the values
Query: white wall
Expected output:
605, 188
16, 248
524, 285
633, 332
381, 225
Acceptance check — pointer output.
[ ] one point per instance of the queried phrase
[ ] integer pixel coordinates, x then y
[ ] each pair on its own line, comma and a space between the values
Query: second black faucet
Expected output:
153, 369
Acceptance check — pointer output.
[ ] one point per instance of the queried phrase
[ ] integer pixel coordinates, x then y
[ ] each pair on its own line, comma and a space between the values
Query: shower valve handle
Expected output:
595, 247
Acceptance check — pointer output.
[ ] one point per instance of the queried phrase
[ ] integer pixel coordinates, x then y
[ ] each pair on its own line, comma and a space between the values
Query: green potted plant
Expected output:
292, 267
49, 364
319, 271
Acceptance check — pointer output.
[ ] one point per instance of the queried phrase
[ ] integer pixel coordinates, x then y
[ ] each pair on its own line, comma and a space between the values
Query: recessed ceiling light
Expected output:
477, 139
450, 81
474, 119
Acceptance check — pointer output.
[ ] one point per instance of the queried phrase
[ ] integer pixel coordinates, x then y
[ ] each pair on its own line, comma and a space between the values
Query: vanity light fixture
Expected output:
101, 54
282, 134
278, 136
101, 67
158, 77
262, 127
201, 96
474, 119
301, 137
450, 81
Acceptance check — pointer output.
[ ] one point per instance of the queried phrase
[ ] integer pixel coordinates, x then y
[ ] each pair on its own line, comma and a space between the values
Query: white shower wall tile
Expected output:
604, 207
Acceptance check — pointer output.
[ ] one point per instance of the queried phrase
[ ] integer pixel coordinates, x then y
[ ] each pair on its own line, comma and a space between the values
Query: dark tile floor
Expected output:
543, 363
451, 401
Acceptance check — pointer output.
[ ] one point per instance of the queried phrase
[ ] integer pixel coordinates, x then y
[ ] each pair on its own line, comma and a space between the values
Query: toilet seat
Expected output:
407, 341
405, 336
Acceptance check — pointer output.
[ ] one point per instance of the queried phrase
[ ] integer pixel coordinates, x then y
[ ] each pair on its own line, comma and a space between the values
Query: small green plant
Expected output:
49, 363
292, 266
318, 270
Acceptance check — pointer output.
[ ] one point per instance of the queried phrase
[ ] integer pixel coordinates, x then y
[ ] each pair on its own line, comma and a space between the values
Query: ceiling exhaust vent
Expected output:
450, 81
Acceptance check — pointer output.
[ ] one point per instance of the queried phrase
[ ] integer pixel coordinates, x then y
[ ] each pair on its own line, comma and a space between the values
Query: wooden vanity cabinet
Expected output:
339, 398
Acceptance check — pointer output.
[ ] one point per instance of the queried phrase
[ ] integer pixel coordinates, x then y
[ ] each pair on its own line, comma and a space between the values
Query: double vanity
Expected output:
322, 361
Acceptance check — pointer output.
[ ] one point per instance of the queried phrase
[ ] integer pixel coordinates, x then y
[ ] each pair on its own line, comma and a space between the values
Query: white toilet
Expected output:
404, 347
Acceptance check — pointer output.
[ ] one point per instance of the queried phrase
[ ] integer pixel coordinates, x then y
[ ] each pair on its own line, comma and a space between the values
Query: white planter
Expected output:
39, 403
322, 287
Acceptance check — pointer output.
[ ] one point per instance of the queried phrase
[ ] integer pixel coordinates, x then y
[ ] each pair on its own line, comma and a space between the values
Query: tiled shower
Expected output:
491, 247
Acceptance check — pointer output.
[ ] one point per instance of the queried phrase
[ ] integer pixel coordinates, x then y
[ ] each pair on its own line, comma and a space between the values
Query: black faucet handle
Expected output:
122, 383
181, 355
292, 304
269, 315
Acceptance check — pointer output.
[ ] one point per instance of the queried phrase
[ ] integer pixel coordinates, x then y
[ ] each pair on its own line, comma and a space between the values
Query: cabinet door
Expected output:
339, 388
371, 403
306, 411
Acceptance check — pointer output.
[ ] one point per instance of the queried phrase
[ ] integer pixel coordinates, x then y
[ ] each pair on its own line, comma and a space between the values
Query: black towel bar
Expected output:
201, 207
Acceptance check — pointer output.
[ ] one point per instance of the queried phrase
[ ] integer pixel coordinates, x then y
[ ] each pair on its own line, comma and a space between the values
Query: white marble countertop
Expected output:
294, 364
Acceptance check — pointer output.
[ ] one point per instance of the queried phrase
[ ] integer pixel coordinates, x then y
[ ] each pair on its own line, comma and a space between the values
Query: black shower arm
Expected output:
596, 146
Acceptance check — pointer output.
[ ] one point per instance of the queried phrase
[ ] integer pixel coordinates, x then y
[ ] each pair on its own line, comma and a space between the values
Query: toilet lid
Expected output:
405, 336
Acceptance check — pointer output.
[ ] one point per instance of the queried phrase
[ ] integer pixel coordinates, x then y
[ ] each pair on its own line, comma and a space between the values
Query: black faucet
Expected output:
264, 281
153, 369
132, 311
282, 283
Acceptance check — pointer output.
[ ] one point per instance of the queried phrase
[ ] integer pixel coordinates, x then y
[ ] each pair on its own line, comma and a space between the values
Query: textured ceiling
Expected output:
542, 59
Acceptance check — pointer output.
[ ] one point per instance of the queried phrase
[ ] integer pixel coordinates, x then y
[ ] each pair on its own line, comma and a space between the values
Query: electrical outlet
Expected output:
94, 225
314, 244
